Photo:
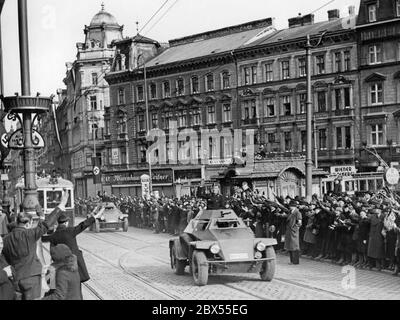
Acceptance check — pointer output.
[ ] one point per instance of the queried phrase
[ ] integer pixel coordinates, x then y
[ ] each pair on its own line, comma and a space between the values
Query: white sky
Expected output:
55, 26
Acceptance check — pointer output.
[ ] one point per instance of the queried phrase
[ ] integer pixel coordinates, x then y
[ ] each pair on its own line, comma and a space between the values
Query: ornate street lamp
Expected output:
26, 138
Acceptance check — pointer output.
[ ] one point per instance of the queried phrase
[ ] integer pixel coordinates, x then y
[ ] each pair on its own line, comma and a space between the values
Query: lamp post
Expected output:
26, 138
146, 99
94, 129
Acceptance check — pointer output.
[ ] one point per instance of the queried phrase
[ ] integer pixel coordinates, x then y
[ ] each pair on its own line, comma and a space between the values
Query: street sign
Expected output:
343, 170
392, 176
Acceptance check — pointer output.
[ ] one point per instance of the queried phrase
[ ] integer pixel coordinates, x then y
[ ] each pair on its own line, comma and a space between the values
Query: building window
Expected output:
226, 80
343, 137
288, 141
93, 103
321, 97
211, 114
122, 125
210, 82
270, 107
247, 75
376, 93
153, 91
347, 137
166, 89
320, 64
182, 119
302, 67
303, 141
377, 134
339, 140
347, 61
338, 61
372, 13
347, 100
269, 73
142, 123
338, 99
121, 96
322, 139
154, 121
195, 85
94, 79
271, 137
285, 69
196, 117
227, 113
254, 75
375, 54
302, 103
180, 87
140, 93
143, 154
398, 8
286, 106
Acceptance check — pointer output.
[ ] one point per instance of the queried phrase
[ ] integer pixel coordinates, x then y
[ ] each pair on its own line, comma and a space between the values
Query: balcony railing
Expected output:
343, 112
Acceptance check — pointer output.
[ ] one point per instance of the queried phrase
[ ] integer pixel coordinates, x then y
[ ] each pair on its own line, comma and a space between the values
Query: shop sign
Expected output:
145, 180
134, 177
219, 162
343, 171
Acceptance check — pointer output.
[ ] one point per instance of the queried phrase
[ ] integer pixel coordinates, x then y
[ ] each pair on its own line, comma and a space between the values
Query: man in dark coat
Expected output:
7, 291
67, 235
20, 250
292, 236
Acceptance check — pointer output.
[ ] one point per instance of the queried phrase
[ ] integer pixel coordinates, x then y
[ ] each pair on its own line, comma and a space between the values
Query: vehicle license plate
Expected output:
238, 256
112, 225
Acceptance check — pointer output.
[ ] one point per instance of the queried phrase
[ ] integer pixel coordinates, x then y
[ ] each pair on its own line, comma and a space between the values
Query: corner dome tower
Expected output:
103, 29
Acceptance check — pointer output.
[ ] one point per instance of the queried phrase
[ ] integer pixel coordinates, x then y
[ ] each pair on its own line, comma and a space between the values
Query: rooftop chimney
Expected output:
352, 10
333, 14
301, 20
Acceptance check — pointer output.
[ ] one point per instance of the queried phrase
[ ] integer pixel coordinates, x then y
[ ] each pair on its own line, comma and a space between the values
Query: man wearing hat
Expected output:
20, 247
67, 235
292, 236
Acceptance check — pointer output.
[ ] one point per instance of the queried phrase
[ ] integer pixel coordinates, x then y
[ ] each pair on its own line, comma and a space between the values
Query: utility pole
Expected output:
146, 99
309, 126
309, 162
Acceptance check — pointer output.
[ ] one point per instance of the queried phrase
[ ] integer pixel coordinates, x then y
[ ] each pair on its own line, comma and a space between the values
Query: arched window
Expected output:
226, 80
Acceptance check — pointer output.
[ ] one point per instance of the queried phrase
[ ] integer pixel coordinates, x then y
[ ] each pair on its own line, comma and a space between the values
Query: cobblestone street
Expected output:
135, 266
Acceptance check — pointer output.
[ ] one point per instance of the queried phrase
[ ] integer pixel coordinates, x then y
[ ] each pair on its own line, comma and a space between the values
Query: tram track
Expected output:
164, 261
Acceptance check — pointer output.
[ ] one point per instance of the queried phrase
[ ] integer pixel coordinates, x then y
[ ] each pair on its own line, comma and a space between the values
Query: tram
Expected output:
49, 193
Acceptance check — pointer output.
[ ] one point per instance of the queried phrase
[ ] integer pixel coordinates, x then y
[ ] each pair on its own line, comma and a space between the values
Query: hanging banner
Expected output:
145, 180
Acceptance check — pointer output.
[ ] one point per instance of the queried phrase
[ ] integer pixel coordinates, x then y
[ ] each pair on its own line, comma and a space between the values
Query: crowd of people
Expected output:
362, 231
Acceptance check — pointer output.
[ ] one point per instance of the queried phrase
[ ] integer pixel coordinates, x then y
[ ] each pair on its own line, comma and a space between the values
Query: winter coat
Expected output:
68, 285
20, 247
67, 236
292, 234
3, 224
309, 235
7, 291
376, 244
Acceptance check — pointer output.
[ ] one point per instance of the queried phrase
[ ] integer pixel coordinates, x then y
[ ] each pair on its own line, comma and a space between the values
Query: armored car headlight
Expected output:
258, 255
260, 246
215, 249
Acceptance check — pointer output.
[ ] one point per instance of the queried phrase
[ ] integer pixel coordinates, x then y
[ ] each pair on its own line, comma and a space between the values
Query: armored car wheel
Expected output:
200, 268
96, 226
126, 225
268, 267
176, 264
